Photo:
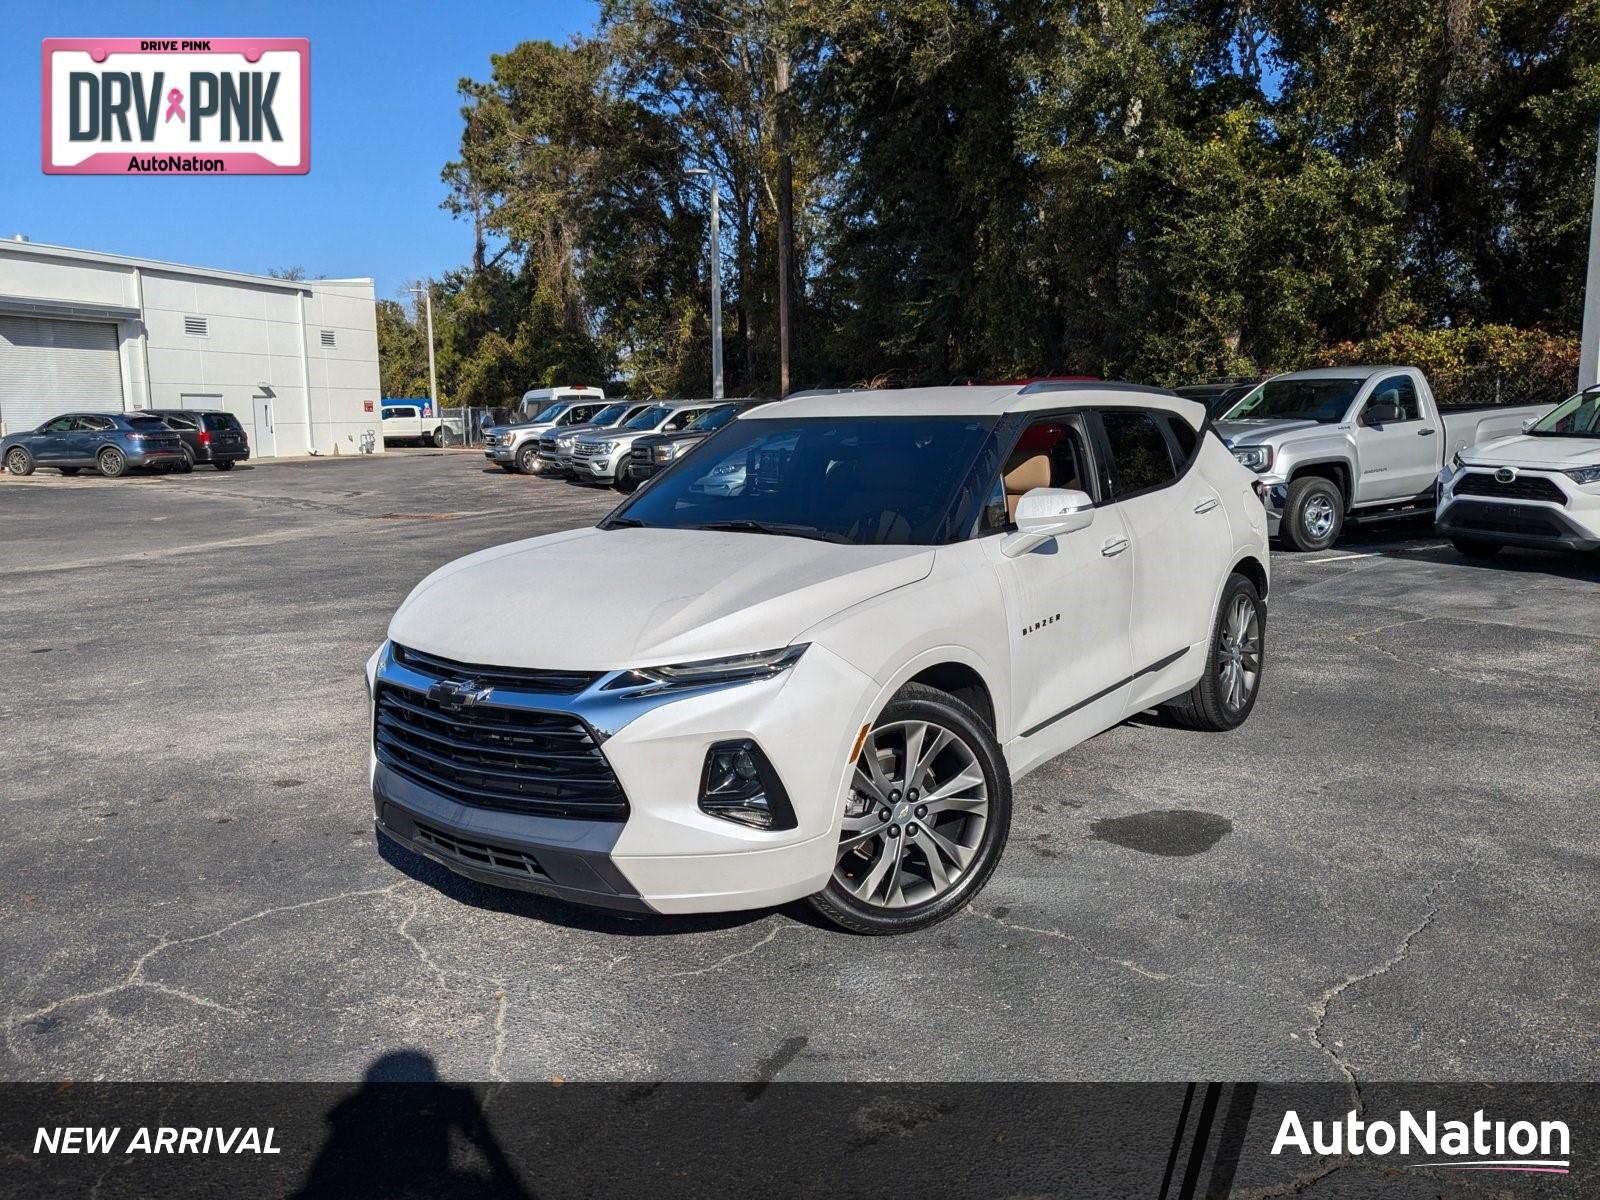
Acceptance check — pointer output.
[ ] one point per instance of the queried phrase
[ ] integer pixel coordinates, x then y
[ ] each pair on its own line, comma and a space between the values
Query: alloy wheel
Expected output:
918, 807
1239, 653
1317, 517
17, 461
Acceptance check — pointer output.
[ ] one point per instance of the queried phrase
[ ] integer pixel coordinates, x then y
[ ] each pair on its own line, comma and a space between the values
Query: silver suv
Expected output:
516, 447
602, 456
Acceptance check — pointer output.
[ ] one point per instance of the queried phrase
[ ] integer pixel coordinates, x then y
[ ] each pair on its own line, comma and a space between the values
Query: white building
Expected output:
295, 361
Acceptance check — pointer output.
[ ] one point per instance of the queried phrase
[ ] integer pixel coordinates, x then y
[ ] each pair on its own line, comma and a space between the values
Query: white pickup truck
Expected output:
412, 421
1356, 443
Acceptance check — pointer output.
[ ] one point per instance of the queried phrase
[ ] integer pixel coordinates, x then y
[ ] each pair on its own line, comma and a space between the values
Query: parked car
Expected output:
112, 443
555, 445
655, 452
1220, 395
1538, 488
1351, 443
210, 437
516, 447
604, 456
825, 683
412, 421
536, 400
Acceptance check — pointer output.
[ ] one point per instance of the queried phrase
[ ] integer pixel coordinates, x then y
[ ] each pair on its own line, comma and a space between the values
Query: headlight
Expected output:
1584, 475
1257, 458
741, 668
1455, 460
666, 453
602, 447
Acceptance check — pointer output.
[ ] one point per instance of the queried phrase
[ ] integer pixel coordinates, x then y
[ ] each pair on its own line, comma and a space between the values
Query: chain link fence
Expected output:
465, 426
1479, 387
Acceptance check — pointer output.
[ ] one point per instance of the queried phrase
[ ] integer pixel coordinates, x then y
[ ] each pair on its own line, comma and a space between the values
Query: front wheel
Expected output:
19, 461
926, 818
112, 462
625, 481
1477, 548
525, 459
1314, 514
1227, 691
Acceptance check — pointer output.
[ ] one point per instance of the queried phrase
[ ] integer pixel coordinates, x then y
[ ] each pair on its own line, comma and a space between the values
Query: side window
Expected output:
1400, 392
180, 421
679, 420
59, 425
96, 424
1184, 435
1140, 455
1051, 453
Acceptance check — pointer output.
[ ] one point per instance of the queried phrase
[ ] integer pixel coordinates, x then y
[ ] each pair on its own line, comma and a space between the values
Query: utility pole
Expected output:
1589, 350
716, 283
785, 215
426, 292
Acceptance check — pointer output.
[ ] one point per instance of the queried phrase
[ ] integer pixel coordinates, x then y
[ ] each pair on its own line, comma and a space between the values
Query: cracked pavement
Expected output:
1387, 874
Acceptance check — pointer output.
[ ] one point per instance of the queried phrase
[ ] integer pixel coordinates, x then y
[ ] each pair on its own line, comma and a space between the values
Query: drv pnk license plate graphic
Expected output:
176, 106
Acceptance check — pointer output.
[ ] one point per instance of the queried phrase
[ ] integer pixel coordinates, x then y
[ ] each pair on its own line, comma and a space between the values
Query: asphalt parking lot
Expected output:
1388, 874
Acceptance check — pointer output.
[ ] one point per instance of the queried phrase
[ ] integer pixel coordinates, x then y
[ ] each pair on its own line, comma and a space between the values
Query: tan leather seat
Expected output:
1026, 471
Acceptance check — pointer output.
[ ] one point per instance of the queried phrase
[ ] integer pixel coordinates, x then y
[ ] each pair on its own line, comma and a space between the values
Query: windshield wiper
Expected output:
779, 528
624, 523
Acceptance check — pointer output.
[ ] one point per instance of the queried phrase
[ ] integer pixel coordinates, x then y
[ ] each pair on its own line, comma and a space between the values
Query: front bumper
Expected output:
603, 467
667, 855
1573, 524
1274, 495
504, 452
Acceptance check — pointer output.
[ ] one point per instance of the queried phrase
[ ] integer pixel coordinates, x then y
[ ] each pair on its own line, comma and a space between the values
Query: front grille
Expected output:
548, 445
488, 756
479, 853
1523, 487
584, 450
521, 679
641, 454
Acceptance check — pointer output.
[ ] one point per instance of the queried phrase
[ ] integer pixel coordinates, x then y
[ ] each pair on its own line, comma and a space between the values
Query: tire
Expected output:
624, 482
19, 461
525, 458
112, 463
873, 895
223, 464
507, 467
1314, 515
1477, 548
1226, 693
69, 471
188, 461
431, 440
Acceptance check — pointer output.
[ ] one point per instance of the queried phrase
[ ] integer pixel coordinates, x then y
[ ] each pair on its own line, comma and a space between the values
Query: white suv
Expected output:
822, 682
1541, 488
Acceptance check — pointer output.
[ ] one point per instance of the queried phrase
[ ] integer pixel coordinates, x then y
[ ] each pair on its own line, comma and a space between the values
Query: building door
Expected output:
49, 366
266, 440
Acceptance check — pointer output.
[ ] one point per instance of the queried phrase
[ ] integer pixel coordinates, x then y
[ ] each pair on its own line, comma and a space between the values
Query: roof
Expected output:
45, 250
1353, 371
978, 400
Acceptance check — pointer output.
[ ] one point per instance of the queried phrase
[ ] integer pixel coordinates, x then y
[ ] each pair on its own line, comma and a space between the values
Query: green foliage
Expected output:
991, 188
1472, 364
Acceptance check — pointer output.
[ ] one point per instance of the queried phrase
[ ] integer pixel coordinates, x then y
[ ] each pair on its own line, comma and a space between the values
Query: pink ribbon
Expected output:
175, 105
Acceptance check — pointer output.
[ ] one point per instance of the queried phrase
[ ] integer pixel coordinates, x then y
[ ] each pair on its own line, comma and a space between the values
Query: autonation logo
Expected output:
1476, 1145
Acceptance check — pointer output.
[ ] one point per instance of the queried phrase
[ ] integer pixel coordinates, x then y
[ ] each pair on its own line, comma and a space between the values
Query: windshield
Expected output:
609, 415
550, 413
1324, 401
715, 419
866, 481
1577, 417
649, 418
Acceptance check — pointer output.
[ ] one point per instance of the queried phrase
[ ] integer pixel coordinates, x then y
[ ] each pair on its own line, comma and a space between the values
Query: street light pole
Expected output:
433, 379
716, 284
1589, 349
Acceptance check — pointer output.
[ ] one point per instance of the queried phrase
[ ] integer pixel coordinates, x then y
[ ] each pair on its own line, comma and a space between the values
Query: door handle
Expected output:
1425, 433
1206, 506
1114, 547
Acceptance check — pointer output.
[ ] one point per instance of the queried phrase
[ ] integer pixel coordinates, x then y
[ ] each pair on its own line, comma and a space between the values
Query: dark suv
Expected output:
655, 452
112, 443
208, 437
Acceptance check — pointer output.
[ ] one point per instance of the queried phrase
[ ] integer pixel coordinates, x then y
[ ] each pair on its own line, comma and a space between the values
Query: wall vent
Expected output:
327, 337
195, 326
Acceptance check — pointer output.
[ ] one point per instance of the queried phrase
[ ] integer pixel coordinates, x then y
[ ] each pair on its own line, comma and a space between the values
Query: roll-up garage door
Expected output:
50, 366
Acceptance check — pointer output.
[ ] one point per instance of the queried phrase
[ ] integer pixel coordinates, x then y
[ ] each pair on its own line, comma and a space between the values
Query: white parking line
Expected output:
1342, 558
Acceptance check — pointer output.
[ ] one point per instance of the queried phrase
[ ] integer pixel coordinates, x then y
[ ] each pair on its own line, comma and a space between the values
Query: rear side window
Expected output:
1140, 454
1184, 435
220, 421
179, 420
146, 423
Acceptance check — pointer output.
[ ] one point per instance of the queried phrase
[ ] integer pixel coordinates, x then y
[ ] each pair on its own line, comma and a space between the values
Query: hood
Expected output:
1520, 450
1254, 433
599, 600
668, 439
517, 430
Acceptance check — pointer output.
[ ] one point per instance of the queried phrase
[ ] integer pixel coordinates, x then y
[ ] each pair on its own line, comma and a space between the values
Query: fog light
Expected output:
739, 784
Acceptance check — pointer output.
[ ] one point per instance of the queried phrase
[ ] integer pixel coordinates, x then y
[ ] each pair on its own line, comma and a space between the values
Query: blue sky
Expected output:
385, 120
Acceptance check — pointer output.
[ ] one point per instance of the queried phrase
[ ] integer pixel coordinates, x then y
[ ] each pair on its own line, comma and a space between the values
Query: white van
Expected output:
536, 400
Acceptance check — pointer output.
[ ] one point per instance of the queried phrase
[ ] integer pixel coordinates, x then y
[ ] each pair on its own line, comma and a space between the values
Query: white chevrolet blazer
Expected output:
830, 641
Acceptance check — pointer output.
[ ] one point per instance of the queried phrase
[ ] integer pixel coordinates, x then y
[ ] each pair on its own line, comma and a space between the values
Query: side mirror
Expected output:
1046, 513
1529, 424
1382, 413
